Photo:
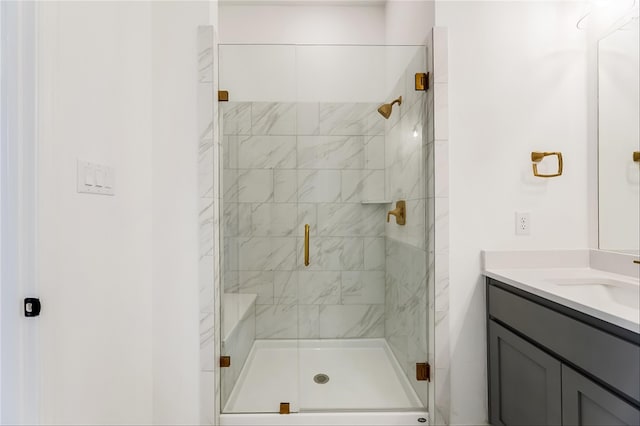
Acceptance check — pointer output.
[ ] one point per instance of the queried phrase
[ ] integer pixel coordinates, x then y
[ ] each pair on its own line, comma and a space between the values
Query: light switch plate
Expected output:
95, 178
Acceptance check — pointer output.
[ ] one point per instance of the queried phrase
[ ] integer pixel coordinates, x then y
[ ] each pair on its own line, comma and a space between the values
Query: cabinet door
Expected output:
524, 382
586, 403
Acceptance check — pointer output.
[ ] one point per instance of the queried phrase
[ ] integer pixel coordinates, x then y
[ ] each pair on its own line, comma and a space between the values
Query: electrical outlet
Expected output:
523, 223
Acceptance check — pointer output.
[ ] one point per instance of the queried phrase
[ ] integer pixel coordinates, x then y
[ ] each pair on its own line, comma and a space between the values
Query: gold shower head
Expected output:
385, 109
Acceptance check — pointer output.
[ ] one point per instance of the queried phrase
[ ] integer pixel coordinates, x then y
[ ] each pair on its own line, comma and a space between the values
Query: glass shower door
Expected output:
260, 231
304, 144
364, 275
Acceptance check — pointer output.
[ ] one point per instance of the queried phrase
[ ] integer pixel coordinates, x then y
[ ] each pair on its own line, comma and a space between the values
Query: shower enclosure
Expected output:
310, 169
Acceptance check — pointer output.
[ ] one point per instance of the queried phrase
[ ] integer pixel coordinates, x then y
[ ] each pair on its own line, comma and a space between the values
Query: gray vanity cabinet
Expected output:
551, 365
584, 402
525, 380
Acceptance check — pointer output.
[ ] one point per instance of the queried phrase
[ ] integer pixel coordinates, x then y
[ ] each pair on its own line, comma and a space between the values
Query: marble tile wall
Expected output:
407, 165
209, 250
239, 343
286, 165
438, 200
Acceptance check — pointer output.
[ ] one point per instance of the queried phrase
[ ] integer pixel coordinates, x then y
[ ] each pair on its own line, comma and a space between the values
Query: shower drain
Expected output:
321, 379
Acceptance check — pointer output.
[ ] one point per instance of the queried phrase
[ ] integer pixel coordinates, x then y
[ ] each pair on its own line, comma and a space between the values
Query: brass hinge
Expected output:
423, 371
225, 361
284, 408
223, 96
422, 81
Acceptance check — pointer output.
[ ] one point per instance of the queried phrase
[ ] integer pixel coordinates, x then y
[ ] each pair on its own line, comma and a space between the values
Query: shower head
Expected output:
385, 109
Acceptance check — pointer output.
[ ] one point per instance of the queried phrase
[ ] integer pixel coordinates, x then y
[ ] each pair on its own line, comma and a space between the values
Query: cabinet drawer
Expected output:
609, 358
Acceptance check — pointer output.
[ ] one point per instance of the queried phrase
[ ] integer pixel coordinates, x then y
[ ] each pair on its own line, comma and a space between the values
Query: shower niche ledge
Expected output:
375, 202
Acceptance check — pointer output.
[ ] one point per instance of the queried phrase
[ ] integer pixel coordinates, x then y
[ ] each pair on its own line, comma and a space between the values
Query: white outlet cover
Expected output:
523, 223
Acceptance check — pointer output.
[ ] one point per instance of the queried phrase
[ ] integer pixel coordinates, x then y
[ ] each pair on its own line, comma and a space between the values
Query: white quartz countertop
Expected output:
609, 296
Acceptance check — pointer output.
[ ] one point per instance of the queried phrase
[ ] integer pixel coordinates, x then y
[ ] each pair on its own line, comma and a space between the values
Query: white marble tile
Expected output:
230, 256
308, 323
442, 282
331, 152
267, 253
441, 168
276, 321
231, 148
273, 219
307, 214
352, 253
441, 224
374, 257
318, 186
351, 220
362, 287
273, 118
373, 186
362, 185
352, 185
230, 219
350, 119
230, 185
308, 118
205, 169
333, 253
245, 225
207, 396
237, 118
267, 152
440, 55
205, 280
285, 285
255, 186
217, 169
206, 227
441, 111
285, 189
205, 111
374, 152
205, 54
231, 282
259, 283
340, 321
207, 326
318, 287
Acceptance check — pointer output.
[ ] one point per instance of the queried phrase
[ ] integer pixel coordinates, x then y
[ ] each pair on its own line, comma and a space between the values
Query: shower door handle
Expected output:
306, 245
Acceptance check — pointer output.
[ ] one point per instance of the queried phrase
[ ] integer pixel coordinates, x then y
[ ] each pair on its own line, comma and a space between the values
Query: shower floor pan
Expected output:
363, 376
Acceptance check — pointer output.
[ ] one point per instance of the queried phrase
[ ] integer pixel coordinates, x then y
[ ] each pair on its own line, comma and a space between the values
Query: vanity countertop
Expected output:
606, 295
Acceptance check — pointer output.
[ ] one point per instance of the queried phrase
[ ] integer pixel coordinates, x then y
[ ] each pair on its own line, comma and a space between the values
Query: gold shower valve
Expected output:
536, 157
399, 212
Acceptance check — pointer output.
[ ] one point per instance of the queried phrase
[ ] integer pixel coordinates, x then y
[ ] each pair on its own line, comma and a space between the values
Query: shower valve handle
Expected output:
398, 212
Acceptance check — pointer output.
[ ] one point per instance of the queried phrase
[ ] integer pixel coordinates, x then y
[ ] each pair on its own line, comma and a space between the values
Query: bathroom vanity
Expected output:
563, 344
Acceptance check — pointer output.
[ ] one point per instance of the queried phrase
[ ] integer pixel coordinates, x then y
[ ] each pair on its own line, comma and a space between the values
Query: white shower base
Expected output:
364, 376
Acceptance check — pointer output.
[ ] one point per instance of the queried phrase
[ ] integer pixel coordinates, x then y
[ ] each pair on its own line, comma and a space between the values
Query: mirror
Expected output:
618, 130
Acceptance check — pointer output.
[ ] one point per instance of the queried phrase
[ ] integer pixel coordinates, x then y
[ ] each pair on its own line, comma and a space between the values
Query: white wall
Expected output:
302, 22
118, 275
94, 252
408, 22
175, 211
517, 78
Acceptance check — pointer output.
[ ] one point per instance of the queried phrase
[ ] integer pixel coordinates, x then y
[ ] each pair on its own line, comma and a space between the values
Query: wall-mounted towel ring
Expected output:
536, 157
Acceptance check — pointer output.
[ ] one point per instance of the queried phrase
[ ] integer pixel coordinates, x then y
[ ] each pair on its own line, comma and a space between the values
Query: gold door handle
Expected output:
306, 245
536, 157
636, 156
